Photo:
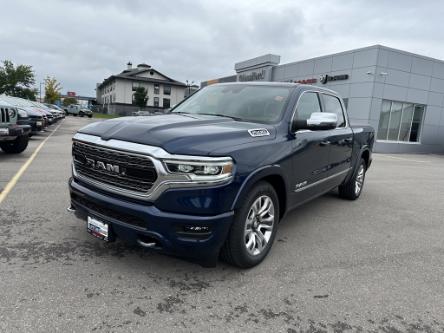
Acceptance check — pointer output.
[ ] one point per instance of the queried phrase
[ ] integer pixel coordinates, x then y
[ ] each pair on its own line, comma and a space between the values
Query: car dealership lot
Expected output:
373, 264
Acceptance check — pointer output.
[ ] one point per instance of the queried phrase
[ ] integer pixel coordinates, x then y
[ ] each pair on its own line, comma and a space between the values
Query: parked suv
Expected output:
217, 174
78, 110
13, 137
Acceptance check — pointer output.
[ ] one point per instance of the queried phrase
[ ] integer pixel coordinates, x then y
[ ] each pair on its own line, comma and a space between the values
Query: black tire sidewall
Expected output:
244, 258
17, 146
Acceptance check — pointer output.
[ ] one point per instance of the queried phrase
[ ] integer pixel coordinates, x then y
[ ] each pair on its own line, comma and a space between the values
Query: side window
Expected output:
333, 105
307, 104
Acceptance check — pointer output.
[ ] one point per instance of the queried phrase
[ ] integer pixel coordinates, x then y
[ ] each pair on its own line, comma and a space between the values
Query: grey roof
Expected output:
131, 74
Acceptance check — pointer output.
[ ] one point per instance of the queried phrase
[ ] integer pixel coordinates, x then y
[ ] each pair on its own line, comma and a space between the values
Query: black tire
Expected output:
349, 189
81, 114
90, 116
16, 146
235, 250
74, 114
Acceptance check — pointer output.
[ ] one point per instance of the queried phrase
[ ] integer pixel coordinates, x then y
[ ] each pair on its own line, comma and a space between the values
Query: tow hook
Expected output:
71, 209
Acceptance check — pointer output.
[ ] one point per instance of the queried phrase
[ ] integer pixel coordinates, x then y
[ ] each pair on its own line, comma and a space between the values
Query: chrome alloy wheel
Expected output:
259, 225
359, 182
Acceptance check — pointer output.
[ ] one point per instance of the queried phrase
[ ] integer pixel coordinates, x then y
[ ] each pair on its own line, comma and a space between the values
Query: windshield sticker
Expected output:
258, 132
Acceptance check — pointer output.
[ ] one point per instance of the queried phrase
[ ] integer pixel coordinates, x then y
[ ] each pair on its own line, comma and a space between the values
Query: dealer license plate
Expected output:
4, 131
98, 228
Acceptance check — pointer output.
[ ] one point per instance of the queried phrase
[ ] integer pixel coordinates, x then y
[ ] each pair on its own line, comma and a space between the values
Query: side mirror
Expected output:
317, 121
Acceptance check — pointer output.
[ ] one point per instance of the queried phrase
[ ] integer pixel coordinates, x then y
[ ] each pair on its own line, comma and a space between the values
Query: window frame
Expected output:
420, 128
167, 87
318, 92
341, 103
156, 89
156, 100
163, 102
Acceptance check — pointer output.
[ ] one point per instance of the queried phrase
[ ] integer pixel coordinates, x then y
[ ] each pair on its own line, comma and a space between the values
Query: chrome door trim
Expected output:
322, 180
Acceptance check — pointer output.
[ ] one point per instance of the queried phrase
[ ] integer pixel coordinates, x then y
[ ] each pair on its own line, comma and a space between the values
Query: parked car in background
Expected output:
52, 116
29, 107
78, 110
58, 109
217, 174
13, 137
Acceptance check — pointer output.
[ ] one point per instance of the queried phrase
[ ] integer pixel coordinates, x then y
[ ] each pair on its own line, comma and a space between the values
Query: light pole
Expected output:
40, 84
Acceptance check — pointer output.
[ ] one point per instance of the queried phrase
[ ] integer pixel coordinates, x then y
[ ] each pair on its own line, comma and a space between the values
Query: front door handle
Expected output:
325, 143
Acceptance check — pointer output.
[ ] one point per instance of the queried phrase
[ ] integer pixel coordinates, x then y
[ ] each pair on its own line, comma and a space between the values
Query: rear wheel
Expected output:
353, 188
81, 114
254, 228
16, 146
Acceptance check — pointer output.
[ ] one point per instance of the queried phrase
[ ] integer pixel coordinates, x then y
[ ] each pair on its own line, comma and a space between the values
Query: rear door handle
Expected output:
325, 143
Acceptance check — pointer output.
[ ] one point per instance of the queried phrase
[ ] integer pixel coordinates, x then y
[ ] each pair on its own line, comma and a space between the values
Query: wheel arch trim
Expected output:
256, 176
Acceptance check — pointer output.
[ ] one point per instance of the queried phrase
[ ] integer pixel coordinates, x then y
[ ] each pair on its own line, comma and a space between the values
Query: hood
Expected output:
180, 133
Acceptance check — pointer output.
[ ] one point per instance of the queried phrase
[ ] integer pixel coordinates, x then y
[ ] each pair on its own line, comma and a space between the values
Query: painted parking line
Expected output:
8, 188
402, 158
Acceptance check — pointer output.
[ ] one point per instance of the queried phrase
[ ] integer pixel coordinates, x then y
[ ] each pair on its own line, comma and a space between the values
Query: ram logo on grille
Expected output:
113, 168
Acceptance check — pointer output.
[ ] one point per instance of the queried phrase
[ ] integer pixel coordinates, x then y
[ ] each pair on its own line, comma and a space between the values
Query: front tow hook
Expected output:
71, 209
146, 244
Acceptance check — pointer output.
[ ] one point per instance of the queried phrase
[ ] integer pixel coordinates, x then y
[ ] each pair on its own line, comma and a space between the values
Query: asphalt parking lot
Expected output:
376, 264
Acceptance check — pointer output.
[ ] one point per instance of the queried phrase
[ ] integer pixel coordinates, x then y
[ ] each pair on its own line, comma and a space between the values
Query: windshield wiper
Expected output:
221, 115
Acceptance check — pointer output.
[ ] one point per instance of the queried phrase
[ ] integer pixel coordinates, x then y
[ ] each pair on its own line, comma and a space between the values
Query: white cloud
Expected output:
82, 42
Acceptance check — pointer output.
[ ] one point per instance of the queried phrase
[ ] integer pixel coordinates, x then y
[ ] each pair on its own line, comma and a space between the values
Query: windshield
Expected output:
252, 103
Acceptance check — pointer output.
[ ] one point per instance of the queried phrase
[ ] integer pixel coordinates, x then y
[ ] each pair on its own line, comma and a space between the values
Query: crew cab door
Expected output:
310, 153
339, 139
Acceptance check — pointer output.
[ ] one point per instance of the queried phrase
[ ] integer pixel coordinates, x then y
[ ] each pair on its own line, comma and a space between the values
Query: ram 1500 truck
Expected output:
216, 175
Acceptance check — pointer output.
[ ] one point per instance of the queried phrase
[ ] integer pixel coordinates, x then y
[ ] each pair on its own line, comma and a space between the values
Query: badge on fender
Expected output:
258, 132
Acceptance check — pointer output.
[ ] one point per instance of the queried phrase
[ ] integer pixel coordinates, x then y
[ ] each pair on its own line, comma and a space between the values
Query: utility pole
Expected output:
40, 84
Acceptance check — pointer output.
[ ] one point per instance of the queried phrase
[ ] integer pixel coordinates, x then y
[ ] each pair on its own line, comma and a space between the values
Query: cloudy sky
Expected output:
81, 42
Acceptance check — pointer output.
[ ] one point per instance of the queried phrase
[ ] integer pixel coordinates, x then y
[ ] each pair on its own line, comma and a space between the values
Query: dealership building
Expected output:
399, 93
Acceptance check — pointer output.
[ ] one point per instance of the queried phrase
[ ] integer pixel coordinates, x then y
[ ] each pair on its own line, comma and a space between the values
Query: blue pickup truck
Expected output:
213, 178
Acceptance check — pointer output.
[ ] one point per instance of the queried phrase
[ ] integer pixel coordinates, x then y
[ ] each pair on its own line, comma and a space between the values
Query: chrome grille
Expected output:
4, 115
136, 172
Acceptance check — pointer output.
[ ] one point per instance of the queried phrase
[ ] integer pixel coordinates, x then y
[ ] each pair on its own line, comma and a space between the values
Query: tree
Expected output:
140, 97
17, 81
52, 90
69, 100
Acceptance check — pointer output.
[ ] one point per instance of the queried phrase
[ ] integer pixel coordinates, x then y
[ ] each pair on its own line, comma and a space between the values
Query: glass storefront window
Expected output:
395, 120
384, 120
400, 122
406, 122
416, 123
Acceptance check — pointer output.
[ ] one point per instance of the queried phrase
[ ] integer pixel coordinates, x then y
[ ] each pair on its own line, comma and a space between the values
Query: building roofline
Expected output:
130, 75
375, 46
140, 79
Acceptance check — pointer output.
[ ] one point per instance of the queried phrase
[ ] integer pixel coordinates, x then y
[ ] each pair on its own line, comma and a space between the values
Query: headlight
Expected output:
22, 113
201, 170
11, 113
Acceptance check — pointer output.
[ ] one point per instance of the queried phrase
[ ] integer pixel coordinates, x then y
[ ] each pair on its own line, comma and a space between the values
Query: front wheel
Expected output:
16, 146
254, 228
353, 187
